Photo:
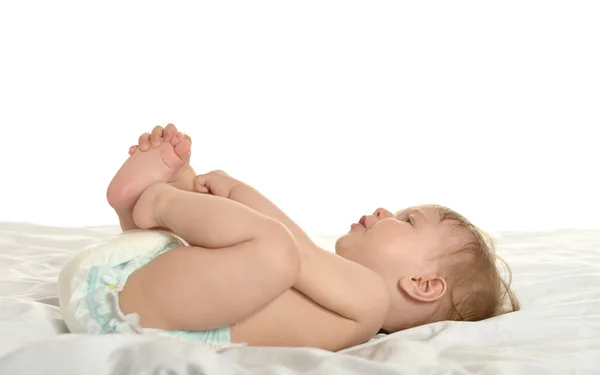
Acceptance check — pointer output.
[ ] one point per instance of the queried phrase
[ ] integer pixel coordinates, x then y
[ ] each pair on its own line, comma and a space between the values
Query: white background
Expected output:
332, 109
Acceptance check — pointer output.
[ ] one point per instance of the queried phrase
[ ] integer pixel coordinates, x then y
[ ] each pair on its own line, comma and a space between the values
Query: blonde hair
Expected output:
476, 289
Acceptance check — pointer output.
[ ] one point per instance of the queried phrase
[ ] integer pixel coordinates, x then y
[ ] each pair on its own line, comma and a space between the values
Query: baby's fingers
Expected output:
200, 183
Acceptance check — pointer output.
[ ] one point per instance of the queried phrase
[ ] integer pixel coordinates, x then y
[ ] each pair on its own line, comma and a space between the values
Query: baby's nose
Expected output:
382, 213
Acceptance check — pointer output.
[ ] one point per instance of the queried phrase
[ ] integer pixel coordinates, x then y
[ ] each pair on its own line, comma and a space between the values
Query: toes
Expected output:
175, 140
156, 136
132, 150
177, 137
169, 131
183, 149
144, 142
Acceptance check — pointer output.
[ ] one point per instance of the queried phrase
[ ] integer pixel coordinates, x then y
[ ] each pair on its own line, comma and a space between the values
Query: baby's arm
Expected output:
344, 287
339, 285
252, 198
354, 300
221, 184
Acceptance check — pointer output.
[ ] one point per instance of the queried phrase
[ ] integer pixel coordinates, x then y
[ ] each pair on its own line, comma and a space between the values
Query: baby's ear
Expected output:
429, 288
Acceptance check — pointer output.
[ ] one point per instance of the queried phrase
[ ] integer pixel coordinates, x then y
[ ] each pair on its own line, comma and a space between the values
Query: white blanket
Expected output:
556, 275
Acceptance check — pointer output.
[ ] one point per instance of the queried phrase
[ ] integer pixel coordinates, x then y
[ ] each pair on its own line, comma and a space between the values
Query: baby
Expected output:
243, 272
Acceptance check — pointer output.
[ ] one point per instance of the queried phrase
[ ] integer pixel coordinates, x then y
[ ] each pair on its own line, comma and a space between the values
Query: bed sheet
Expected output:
556, 276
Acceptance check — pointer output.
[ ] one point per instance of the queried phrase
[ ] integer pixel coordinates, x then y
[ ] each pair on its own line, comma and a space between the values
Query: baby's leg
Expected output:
241, 261
167, 162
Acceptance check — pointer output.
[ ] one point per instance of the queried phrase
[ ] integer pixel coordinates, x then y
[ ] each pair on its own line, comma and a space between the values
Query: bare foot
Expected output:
142, 169
183, 179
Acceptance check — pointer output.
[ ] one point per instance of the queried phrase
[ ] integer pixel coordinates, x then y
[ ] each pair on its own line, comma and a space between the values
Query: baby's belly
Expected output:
278, 324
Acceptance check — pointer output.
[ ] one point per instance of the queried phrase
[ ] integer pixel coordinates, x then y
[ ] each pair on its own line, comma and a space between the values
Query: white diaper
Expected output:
89, 283
89, 286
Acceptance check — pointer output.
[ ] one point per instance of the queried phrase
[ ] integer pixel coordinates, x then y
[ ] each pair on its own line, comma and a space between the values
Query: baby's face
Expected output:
395, 245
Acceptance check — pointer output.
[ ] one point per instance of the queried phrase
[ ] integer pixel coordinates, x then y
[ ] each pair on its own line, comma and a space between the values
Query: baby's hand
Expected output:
154, 139
216, 183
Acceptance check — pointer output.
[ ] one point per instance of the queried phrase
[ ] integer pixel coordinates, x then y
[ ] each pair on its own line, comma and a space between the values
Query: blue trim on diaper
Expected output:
220, 335
93, 306
92, 287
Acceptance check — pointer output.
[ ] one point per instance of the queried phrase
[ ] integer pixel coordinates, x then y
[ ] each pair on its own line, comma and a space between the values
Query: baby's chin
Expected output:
341, 245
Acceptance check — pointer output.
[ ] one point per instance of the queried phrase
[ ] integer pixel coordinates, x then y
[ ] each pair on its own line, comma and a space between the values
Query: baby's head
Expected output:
437, 265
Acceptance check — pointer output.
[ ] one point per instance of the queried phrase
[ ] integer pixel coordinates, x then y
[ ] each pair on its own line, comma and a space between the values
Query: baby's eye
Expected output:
409, 220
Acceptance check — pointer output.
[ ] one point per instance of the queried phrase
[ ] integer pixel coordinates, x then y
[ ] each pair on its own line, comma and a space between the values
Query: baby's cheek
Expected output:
389, 228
